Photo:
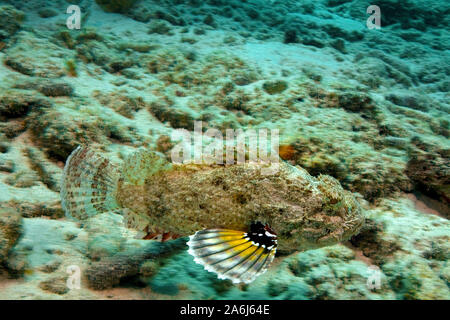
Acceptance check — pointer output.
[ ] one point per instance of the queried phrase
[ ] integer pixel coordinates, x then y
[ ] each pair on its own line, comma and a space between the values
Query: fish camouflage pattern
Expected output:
236, 217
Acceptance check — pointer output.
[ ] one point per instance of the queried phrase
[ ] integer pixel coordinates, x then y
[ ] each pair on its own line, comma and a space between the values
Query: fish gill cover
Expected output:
353, 94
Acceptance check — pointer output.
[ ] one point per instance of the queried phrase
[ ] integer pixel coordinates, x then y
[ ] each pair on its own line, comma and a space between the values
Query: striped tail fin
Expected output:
89, 185
235, 255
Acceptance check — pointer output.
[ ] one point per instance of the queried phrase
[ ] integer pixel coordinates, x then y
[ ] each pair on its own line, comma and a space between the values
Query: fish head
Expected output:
331, 216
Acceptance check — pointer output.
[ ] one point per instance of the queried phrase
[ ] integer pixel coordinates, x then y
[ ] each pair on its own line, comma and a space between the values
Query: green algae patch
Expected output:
10, 231
275, 87
118, 6
10, 21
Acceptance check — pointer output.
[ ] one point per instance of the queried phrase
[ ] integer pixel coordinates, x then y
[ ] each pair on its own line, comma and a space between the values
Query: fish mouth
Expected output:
348, 230
353, 226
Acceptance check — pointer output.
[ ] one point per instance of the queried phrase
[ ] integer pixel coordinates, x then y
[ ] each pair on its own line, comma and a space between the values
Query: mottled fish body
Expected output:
236, 215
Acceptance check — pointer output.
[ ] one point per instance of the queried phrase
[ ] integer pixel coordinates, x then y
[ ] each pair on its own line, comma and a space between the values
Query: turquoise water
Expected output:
355, 90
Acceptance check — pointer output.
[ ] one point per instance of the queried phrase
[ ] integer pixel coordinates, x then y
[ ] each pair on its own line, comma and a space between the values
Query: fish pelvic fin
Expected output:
160, 236
144, 230
234, 255
89, 184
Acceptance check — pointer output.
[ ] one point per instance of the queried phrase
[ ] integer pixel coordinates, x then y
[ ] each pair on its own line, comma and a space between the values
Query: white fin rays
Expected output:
232, 255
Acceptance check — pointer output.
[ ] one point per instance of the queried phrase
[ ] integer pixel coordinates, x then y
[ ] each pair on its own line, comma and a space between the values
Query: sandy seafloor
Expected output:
368, 107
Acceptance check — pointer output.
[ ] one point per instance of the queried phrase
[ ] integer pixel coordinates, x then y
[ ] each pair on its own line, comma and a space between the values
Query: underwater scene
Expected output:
224, 150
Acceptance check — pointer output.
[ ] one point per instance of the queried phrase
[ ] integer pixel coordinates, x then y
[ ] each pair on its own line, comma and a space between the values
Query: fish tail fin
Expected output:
89, 184
234, 255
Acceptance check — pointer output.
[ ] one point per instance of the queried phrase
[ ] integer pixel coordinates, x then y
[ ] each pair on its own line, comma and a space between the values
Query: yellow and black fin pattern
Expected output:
235, 255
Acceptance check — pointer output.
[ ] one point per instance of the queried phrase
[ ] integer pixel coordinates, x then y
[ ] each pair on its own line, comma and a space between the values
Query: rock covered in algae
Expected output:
46, 61
274, 87
431, 173
109, 271
10, 21
10, 231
